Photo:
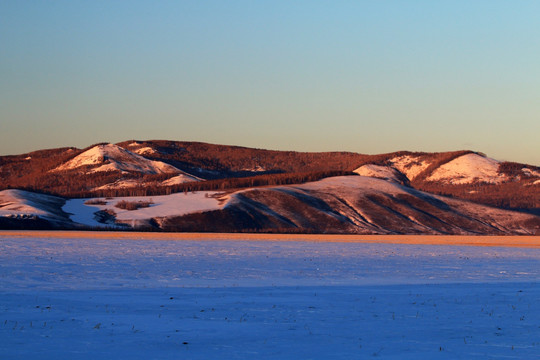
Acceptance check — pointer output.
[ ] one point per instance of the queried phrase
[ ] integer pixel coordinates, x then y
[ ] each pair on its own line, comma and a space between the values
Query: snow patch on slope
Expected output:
467, 169
530, 172
409, 165
256, 168
120, 184
111, 157
181, 179
146, 151
376, 171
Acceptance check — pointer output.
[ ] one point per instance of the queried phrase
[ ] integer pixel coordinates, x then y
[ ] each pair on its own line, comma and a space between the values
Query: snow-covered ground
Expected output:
161, 206
91, 298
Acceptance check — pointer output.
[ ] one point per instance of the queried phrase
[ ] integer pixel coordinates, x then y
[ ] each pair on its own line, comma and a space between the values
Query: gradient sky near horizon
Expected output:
363, 76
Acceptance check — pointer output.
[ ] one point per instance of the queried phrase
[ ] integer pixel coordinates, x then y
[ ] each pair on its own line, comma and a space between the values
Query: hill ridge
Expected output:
200, 166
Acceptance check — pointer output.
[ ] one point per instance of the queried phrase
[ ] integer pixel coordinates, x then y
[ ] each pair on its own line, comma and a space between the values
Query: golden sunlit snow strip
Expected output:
461, 240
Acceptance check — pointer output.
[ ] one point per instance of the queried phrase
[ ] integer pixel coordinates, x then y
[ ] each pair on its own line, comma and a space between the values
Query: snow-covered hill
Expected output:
25, 207
358, 204
110, 157
467, 169
349, 204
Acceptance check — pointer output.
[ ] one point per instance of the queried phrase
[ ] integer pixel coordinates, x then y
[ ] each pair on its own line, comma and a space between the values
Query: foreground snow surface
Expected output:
142, 299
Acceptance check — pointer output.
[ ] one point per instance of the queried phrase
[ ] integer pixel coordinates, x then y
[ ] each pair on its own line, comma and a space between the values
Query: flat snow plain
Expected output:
90, 298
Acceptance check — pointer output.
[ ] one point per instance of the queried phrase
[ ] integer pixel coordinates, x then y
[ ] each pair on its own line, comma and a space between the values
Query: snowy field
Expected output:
85, 298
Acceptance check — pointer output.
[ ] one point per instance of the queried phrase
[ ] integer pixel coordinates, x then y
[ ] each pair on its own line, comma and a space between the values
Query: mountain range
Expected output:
192, 186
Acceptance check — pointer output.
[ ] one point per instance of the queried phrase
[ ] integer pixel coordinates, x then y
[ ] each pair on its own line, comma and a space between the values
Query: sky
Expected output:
363, 76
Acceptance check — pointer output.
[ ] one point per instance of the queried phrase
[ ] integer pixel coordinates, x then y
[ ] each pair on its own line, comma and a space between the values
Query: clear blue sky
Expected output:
363, 76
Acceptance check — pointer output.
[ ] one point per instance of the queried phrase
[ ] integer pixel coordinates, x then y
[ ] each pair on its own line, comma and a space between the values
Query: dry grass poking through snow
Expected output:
95, 202
133, 205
